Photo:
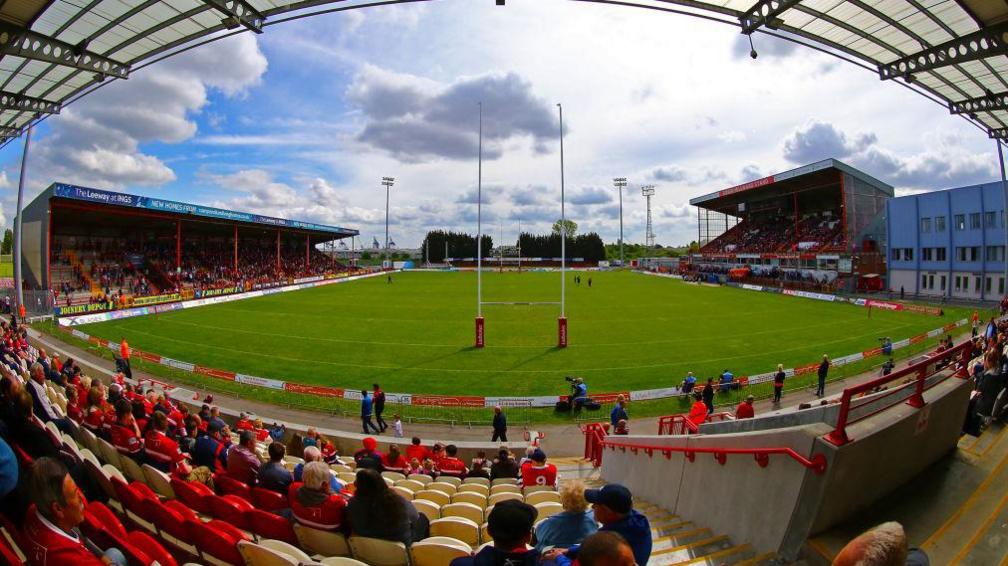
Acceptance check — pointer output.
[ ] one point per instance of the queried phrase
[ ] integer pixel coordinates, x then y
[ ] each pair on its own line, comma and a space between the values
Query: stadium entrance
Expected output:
819, 228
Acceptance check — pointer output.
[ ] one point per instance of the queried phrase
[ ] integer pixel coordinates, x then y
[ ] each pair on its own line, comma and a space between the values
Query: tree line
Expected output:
456, 244
460, 245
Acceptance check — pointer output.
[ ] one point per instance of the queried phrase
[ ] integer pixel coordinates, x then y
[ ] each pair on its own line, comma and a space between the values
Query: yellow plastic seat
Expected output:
471, 497
429, 552
457, 527
378, 552
438, 497
466, 510
542, 497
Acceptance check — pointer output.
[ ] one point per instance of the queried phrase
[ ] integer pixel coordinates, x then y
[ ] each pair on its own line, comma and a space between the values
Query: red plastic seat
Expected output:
169, 520
134, 498
218, 539
269, 525
100, 518
231, 509
195, 495
152, 548
268, 500
226, 485
7, 555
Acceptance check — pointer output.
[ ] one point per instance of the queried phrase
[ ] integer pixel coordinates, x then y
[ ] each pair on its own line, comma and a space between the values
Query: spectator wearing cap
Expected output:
313, 454
212, 447
273, 475
378, 512
242, 461
537, 471
244, 423
745, 410
504, 466
613, 507
510, 524
50, 526
313, 504
368, 456
570, 527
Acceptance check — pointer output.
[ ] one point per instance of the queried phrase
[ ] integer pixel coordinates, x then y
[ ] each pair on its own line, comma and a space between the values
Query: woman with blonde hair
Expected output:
570, 527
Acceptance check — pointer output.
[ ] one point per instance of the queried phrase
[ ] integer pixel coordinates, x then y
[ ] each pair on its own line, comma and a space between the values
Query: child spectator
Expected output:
397, 426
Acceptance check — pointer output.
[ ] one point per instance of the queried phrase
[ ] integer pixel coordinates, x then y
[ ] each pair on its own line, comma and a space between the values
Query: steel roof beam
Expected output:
987, 42
986, 103
20, 42
764, 13
20, 102
9, 132
998, 133
238, 12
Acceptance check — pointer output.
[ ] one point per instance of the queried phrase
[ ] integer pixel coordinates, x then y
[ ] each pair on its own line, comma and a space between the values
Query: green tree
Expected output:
365, 255
8, 242
569, 227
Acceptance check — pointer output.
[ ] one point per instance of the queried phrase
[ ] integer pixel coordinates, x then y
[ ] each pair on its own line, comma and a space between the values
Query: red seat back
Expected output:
98, 516
230, 509
226, 485
219, 540
151, 548
195, 495
270, 525
268, 500
168, 520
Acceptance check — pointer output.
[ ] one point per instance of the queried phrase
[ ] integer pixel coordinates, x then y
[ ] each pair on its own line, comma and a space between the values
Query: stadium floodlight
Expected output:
387, 182
648, 191
620, 183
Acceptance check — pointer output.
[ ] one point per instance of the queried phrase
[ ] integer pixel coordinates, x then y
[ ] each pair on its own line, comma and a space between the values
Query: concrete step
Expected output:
716, 557
689, 551
679, 538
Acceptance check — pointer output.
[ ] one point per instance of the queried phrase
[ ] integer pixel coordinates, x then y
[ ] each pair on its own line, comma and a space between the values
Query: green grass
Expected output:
627, 332
6, 266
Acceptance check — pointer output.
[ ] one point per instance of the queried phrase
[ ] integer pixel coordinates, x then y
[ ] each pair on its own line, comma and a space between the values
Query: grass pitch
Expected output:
627, 332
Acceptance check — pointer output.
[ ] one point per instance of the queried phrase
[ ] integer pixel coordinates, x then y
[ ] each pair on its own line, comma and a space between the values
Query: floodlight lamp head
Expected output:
647, 191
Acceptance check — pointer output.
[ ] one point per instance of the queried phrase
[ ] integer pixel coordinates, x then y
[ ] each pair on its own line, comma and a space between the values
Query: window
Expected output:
960, 222
925, 225
908, 254
926, 254
943, 283
987, 287
994, 253
923, 281
940, 254
939, 223
976, 284
897, 254
1000, 285
974, 221
990, 219
968, 253
958, 283
930, 281
960, 254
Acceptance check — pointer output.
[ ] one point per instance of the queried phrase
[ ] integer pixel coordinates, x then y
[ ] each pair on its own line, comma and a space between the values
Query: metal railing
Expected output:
681, 425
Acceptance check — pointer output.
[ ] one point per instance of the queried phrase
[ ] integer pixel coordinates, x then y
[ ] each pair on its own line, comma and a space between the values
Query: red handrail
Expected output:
920, 371
595, 434
761, 455
679, 424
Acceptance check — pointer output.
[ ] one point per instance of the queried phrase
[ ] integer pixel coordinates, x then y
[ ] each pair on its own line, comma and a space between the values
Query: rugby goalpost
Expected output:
480, 321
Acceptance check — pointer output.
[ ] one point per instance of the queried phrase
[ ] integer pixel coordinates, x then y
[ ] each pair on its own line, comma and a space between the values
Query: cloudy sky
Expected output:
304, 120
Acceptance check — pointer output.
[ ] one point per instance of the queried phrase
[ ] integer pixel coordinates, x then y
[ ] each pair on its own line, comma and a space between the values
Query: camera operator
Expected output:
579, 392
886, 346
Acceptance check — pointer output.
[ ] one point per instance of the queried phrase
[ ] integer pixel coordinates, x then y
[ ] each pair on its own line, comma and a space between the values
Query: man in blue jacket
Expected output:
365, 413
510, 524
613, 507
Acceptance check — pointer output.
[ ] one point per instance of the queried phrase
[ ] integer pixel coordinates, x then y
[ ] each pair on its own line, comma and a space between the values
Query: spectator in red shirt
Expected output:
260, 431
416, 451
242, 461
244, 423
125, 433
537, 471
368, 456
162, 452
312, 504
50, 529
745, 409
451, 465
73, 408
698, 412
94, 413
393, 461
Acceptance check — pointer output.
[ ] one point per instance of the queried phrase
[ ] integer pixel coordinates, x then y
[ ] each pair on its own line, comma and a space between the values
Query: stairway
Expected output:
675, 540
85, 271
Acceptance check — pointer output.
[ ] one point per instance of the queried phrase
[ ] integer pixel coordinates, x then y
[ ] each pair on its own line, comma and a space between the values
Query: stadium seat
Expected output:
455, 481
265, 524
537, 488
486, 513
341, 561
87, 438
268, 500
429, 508
457, 527
218, 541
483, 490
340, 468
9, 555
485, 533
322, 543
108, 453
542, 497
548, 509
394, 476
227, 485
504, 481
444, 487
473, 497
131, 469
285, 548
437, 553
477, 481
71, 447
411, 485
422, 478
158, 481
133, 498
101, 517
407, 494
505, 488
347, 477
193, 494
257, 555
438, 497
465, 510
152, 548
172, 523
230, 509
101, 477
11, 543
378, 552
503, 496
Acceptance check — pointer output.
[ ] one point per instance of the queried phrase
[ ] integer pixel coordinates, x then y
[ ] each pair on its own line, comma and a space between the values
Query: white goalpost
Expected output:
480, 303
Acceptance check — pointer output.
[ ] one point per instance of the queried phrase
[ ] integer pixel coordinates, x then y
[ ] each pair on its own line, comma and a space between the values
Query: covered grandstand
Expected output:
96, 249
819, 225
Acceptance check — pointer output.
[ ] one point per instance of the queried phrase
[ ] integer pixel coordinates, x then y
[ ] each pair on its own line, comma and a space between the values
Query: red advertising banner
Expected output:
448, 401
884, 305
747, 186
149, 356
802, 370
562, 332
213, 372
319, 390
479, 332
936, 311
918, 338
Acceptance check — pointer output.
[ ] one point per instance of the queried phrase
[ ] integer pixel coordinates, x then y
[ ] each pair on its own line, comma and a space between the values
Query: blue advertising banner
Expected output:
162, 205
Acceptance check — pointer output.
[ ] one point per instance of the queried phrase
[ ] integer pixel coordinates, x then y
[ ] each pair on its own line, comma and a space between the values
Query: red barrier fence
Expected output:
917, 374
679, 424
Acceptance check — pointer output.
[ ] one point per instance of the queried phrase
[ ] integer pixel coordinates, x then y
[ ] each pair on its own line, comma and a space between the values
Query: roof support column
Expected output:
236, 250
278, 253
307, 255
178, 246
18, 277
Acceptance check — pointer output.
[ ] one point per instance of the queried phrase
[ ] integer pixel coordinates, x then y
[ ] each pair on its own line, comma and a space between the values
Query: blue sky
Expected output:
304, 120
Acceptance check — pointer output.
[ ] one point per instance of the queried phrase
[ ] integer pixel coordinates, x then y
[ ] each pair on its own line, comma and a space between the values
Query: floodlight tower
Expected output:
620, 183
387, 182
648, 192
